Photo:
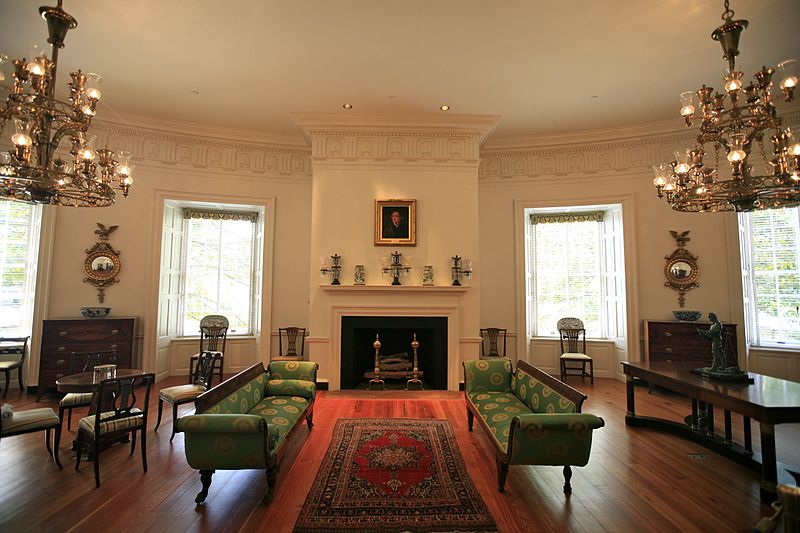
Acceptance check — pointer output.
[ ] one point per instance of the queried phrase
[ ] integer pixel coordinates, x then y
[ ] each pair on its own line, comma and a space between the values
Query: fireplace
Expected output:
395, 332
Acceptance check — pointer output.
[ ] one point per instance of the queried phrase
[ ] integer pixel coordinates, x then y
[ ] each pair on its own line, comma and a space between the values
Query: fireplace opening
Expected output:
396, 334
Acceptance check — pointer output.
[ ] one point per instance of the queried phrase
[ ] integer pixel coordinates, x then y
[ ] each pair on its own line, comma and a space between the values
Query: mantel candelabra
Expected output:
395, 268
334, 270
462, 268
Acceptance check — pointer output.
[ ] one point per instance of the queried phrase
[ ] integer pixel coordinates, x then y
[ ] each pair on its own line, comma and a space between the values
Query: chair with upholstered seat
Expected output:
573, 349
213, 334
12, 356
181, 394
115, 414
291, 335
490, 347
42, 419
82, 362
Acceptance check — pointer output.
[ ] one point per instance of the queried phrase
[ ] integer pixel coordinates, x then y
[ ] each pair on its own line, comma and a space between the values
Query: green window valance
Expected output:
581, 216
211, 214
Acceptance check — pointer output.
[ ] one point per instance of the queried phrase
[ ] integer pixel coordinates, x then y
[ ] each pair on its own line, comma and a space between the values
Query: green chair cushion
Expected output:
30, 420
498, 409
281, 413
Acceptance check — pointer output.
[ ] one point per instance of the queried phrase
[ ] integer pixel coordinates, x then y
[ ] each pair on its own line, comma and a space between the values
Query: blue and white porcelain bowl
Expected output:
95, 312
687, 316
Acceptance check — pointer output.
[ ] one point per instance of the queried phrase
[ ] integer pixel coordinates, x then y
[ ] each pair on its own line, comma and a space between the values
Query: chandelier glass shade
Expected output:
740, 120
52, 159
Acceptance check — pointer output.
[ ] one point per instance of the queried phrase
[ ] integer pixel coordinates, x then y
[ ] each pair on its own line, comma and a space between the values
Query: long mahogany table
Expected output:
767, 400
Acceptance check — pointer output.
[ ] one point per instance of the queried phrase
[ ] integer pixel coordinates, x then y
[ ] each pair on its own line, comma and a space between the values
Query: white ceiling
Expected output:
547, 67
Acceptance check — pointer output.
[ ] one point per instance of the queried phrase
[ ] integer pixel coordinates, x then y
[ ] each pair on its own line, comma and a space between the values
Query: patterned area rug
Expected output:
393, 475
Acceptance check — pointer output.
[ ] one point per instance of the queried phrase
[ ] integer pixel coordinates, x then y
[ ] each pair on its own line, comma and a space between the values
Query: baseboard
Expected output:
322, 385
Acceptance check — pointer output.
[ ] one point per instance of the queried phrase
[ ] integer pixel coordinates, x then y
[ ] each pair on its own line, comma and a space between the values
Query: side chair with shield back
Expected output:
12, 356
115, 414
82, 362
573, 349
490, 342
181, 394
213, 334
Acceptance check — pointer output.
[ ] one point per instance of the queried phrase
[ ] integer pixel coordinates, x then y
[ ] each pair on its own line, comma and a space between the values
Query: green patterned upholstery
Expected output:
531, 417
539, 397
487, 375
303, 370
291, 387
243, 399
247, 427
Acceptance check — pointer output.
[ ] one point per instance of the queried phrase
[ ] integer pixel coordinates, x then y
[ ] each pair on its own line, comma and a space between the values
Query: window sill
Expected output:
230, 337
792, 349
588, 339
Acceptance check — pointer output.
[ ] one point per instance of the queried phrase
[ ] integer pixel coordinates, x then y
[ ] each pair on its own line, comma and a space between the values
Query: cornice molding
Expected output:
198, 147
632, 150
395, 138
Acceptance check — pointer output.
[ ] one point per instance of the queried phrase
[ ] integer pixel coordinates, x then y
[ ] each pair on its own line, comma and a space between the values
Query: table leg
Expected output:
728, 437
710, 420
748, 436
693, 424
629, 392
769, 465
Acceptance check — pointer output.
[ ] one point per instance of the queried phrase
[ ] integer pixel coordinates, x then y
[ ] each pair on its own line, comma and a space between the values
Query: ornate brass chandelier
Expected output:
32, 171
735, 121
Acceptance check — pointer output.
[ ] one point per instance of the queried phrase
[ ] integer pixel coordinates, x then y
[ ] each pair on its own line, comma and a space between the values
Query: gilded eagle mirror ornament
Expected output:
681, 269
102, 264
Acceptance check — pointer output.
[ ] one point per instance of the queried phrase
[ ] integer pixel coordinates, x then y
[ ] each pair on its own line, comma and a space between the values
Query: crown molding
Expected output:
630, 150
395, 138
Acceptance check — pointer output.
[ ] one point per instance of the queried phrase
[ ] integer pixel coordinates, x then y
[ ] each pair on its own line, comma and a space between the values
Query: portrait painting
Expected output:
395, 222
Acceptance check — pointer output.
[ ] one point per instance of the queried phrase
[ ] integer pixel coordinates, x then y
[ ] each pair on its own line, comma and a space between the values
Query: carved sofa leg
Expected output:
567, 477
502, 472
205, 479
470, 418
272, 477
310, 420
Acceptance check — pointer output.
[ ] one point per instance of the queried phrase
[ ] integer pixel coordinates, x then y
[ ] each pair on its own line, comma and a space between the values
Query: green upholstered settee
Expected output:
531, 418
244, 422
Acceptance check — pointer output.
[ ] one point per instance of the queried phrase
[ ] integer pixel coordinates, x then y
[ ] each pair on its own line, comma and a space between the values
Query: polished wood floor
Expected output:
636, 480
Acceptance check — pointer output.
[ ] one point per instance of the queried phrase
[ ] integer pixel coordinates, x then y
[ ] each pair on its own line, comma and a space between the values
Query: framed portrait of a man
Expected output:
395, 222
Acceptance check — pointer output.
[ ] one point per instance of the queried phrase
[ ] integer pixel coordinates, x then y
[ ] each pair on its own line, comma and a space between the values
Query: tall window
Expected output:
219, 265
19, 239
770, 245
576, 268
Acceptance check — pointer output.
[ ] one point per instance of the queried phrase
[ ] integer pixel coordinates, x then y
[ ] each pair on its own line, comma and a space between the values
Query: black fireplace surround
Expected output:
396, 333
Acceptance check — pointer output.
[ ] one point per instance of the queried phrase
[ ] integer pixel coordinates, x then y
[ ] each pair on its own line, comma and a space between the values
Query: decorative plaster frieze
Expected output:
633, 155
395, 138
158, 147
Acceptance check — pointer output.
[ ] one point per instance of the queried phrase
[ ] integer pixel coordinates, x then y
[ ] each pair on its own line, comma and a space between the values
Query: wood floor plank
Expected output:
636, 480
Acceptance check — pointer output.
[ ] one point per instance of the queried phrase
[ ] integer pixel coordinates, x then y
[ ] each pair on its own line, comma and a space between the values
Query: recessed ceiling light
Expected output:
445, 107
347, 106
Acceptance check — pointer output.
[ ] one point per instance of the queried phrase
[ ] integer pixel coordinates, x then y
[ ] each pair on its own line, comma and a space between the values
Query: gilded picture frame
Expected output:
395, 222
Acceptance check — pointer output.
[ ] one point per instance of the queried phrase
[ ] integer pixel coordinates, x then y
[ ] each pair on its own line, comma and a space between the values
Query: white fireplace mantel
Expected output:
397, 289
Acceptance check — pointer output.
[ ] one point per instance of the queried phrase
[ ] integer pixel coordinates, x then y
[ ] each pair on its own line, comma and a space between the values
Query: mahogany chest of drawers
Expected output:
65, 335
679, 341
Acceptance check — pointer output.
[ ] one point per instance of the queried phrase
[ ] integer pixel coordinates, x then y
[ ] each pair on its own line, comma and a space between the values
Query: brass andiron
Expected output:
415, 373
376, 373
